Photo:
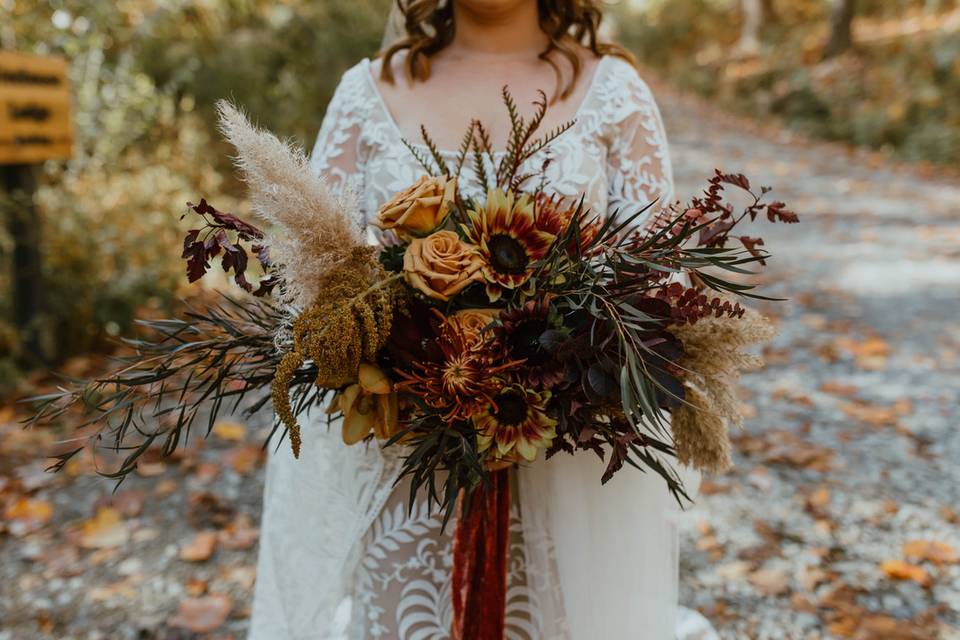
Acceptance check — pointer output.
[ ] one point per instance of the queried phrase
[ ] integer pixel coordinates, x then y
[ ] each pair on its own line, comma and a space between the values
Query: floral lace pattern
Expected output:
341, 557
403, 581
616, 153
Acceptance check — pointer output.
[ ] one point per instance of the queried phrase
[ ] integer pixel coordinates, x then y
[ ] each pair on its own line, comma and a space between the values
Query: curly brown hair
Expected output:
429, 26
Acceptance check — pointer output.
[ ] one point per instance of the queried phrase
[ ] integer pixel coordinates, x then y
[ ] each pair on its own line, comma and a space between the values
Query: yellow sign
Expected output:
35, 123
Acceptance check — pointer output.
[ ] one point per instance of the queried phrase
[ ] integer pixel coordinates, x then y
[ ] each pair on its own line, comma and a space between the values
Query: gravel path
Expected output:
849, 454
852, 448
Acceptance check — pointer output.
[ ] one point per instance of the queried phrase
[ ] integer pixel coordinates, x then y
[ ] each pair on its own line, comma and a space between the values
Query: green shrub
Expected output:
145, 77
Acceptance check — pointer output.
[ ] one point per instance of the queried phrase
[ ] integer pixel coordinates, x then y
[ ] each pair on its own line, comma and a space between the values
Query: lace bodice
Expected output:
342, 557
615, 154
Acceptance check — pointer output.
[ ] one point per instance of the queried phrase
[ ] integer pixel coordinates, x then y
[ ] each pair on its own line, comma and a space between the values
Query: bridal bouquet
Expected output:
486, 330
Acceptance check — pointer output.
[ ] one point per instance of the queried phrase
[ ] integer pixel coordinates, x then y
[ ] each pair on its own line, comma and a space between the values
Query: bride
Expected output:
341, 557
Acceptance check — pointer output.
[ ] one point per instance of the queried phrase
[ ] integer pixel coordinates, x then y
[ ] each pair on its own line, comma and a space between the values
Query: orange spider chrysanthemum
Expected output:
506, 234
515, 424
466, 376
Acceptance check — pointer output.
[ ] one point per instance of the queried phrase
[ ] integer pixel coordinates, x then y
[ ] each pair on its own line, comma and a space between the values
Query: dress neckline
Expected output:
392, 123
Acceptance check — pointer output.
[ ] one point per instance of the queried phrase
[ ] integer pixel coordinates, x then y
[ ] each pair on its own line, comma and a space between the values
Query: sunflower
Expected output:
465, 377
523, 330
517, 423
505, 231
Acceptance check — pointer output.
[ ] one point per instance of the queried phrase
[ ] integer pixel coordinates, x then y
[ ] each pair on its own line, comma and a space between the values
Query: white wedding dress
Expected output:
342, 558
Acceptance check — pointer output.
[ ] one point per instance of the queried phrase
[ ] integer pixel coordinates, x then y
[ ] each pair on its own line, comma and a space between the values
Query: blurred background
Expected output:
840, 520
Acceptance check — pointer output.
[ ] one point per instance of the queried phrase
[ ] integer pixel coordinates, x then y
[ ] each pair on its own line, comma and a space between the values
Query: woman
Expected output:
341, 557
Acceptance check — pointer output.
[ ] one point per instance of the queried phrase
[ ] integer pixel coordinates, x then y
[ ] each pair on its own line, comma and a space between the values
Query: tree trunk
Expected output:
19, 182
749, 44
769, 11
841, 27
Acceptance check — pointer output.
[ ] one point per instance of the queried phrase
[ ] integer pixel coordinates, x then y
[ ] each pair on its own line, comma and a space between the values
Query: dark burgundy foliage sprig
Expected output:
203, 244
689, 304
720, 216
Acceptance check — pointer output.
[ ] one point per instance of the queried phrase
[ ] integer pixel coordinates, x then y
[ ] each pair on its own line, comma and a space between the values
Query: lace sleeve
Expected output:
337, 152
638, 157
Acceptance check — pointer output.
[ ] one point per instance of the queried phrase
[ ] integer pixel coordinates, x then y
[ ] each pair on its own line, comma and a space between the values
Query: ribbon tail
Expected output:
479, 574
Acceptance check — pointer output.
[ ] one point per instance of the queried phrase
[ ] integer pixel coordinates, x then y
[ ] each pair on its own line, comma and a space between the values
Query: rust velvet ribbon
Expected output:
480, 562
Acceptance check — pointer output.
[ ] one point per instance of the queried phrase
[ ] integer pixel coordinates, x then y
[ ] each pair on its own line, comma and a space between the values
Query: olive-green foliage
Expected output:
145, 76
896, 93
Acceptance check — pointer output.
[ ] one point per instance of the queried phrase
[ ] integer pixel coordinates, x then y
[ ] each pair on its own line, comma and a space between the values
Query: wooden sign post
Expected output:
35, 126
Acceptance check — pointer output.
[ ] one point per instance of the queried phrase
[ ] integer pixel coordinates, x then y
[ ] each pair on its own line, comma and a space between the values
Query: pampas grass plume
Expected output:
714, 359
314, 232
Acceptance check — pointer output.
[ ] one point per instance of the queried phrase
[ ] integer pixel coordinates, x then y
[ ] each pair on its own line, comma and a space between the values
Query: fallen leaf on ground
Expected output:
105, 530
900, 570
883, 627
195, 587
202, 615
207, 510
812, 577
244, 459
27, 515
229, 430
239, 534
819, 499
870, 354
61, 561
709, 487
151, 469
771, 582
872, 414
206, 472
243, 576
734, 570
839, 389
930, 551
129, 502
200, 548
165, 487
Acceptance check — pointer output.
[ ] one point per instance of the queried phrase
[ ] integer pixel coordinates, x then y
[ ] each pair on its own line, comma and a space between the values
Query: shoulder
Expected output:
623, 98
625, 76
356, 77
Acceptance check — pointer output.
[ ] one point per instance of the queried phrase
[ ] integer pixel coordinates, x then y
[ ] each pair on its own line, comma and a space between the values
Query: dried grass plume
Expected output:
314, 232
714, 359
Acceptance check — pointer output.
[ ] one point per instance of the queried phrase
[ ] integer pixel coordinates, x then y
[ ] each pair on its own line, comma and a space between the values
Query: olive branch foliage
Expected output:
221, 358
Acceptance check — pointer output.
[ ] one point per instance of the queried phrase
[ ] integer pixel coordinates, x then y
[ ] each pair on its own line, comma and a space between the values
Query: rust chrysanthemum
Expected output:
505, 231
465, 377
522, 331
515, 424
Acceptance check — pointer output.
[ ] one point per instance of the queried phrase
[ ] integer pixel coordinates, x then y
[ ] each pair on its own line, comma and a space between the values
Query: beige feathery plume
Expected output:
344, 298
714, 359
314, 231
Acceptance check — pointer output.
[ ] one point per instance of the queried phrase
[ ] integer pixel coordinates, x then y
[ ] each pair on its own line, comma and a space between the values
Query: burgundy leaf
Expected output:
621, 448
778, 211
751, 244
736, 179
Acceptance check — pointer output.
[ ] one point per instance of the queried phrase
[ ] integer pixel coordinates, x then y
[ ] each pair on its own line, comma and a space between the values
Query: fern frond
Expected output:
514, 142
434, 151
484, 146
465, 148
419, 157
534, 147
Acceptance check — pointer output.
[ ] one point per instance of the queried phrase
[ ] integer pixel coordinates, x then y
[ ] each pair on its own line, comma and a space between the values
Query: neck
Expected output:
505, 30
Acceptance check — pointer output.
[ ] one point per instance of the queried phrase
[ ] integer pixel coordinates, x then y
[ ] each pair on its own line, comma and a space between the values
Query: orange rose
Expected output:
472, 323
441, 265
420, 209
